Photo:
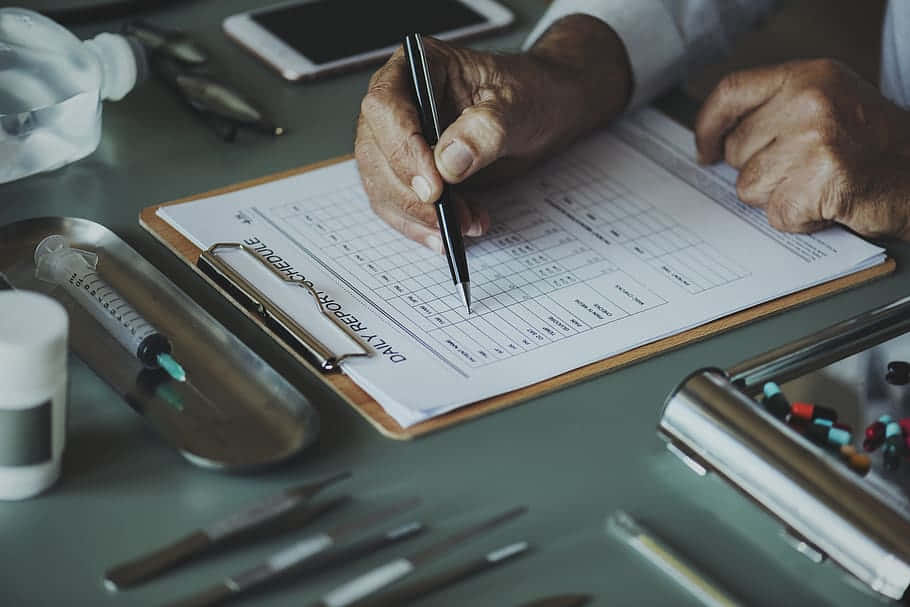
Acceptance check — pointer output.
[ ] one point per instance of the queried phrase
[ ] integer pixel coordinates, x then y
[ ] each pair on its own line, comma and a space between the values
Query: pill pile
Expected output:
817, 423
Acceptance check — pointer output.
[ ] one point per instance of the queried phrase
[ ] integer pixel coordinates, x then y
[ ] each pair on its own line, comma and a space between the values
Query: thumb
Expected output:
476, 139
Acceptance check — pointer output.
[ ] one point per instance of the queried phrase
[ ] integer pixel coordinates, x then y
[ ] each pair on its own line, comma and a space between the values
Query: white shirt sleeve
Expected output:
895, 76
664, 38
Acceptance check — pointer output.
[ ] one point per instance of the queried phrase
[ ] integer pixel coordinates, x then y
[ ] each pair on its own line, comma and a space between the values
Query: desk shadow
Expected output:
105, 457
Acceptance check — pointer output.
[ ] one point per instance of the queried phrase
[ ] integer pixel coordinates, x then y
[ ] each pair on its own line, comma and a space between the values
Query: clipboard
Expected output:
317, 359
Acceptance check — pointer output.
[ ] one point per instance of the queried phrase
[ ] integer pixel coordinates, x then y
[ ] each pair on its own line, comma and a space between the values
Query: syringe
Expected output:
74, 270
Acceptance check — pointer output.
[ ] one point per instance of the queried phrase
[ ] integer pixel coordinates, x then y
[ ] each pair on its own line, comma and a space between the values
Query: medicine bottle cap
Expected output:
33, 331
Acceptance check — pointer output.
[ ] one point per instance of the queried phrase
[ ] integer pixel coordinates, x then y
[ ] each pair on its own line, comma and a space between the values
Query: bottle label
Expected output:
25, 435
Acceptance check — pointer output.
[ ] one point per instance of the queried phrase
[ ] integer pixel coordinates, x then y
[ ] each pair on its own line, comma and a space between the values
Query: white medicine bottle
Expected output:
51, 88
33, 370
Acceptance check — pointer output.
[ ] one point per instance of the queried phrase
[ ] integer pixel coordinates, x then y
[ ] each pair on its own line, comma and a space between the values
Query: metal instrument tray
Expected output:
713, 422
233, 413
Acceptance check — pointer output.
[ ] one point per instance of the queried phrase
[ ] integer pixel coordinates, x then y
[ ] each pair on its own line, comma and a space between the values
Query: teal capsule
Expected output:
770, 389
885, 419
892, 452
892, 429
775, 402
839, 437
822, 434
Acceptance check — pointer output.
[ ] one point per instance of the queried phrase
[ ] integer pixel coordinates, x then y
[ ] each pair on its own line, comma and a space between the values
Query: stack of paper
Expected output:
621, 241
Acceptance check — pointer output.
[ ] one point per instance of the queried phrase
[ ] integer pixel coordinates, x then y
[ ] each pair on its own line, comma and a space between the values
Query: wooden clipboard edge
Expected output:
382, 421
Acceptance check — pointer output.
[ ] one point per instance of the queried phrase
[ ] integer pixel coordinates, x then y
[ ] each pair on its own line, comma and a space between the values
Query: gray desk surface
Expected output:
573, 457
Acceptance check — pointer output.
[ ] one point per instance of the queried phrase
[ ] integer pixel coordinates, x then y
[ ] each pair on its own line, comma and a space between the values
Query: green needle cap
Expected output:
172, 367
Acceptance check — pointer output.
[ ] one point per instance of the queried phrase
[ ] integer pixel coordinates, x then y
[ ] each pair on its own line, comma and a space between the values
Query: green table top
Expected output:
573, 456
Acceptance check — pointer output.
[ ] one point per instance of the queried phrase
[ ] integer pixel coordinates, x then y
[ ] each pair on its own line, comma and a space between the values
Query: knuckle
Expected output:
395, 62
366, 165
362, 139
403, 153
412, 208
732, 145
379, 100
778, 217
837, 199
731, 84
827, 159
360, 131
790, 212
828, 163
375, 192
390, 212
489, 126
826, 67
373, 103
818, 103
819, 142
746, 184
377, 75
397, 56
360, 154
434, 46
412, 230
394, 219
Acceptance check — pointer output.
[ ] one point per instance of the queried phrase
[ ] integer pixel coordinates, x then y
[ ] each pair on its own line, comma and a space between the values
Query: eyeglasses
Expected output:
185, 65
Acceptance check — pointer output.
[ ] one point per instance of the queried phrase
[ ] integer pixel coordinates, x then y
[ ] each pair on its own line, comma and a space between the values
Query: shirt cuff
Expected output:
652, 40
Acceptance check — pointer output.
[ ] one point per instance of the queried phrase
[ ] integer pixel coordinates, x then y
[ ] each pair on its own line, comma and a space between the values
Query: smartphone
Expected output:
309, 38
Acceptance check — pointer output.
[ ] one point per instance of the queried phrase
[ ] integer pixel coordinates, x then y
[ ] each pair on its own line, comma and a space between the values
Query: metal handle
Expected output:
143, 568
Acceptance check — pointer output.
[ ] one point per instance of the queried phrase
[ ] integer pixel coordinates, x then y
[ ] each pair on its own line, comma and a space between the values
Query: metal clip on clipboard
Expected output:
277, 321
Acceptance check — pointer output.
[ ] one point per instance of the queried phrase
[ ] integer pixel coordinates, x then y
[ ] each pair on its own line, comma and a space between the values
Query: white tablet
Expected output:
308, 38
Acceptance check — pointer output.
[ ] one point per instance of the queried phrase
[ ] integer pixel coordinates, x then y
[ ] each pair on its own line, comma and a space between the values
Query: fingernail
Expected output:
476, 229
485, 220
434, 242
421, 187
456, 158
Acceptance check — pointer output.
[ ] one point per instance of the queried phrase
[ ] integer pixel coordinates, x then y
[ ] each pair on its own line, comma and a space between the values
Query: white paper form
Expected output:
595, 253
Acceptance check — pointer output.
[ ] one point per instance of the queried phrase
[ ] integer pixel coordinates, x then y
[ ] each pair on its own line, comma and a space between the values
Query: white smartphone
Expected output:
308, 38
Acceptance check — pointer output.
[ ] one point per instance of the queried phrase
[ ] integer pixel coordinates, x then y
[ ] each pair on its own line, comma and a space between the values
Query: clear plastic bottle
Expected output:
51, 88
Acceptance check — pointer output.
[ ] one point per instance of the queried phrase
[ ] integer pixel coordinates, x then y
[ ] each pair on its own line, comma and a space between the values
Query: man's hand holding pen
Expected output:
504, 113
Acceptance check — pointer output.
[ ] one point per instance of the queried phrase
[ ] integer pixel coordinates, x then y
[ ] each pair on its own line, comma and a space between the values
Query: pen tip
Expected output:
465, 290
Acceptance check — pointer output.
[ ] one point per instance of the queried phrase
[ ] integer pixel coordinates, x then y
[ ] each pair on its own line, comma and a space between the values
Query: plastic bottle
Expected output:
51, 88
33, 336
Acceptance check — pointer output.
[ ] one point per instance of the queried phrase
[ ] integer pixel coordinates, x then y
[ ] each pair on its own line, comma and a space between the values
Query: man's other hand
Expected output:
814, 144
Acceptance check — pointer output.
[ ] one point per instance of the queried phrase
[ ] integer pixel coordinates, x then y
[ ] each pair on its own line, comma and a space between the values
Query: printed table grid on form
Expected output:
533, 282
603, 206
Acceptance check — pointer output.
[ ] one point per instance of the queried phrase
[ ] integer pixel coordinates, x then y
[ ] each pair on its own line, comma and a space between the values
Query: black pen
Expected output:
445, 206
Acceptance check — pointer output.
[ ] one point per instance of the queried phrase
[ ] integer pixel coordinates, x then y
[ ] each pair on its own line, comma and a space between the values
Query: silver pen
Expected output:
625, 528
